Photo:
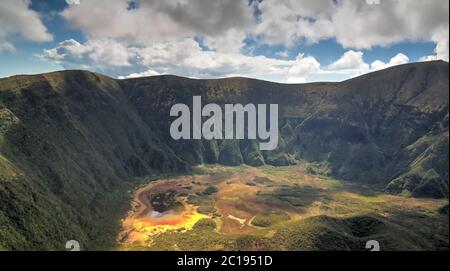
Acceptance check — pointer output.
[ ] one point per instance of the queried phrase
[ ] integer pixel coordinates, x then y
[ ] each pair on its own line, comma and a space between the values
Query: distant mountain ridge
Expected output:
71, 141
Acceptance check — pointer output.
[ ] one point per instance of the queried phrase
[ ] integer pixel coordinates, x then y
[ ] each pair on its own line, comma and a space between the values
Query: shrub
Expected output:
210, 190
205, 224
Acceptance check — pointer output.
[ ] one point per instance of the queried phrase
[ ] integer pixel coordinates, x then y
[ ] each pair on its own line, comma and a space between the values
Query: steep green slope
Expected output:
327, 233
367, 129
69, 143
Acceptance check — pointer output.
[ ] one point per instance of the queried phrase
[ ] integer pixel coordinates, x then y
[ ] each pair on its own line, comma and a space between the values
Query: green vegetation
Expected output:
269, 218
262, 180
336, 217
202, 237
73, 143
199, 200
424, 178
204, 203
58, 180
310, 234
210, 190
295, 196
205, 224
166, 201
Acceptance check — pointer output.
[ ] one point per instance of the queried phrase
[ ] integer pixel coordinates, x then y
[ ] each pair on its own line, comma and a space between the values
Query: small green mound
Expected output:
262, 180
204, 204
268, 219
198, 200
205, 224
210, 190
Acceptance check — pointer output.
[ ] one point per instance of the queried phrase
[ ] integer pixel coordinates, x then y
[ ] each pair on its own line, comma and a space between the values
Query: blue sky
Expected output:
285, 41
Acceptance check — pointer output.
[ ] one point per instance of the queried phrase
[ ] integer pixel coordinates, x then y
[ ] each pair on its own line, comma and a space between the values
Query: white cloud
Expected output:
373, 2
285, 21
184, 57
349, 65
441, 52
222, 23
302, 68
352, 64
16, 18
396, 60
231, 41
351, 60
162, 36
102, 54
354, 24
73, 2
140, 74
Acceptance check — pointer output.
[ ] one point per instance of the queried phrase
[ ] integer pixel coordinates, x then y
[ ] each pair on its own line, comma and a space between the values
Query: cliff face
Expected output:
70, 141
388, 127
